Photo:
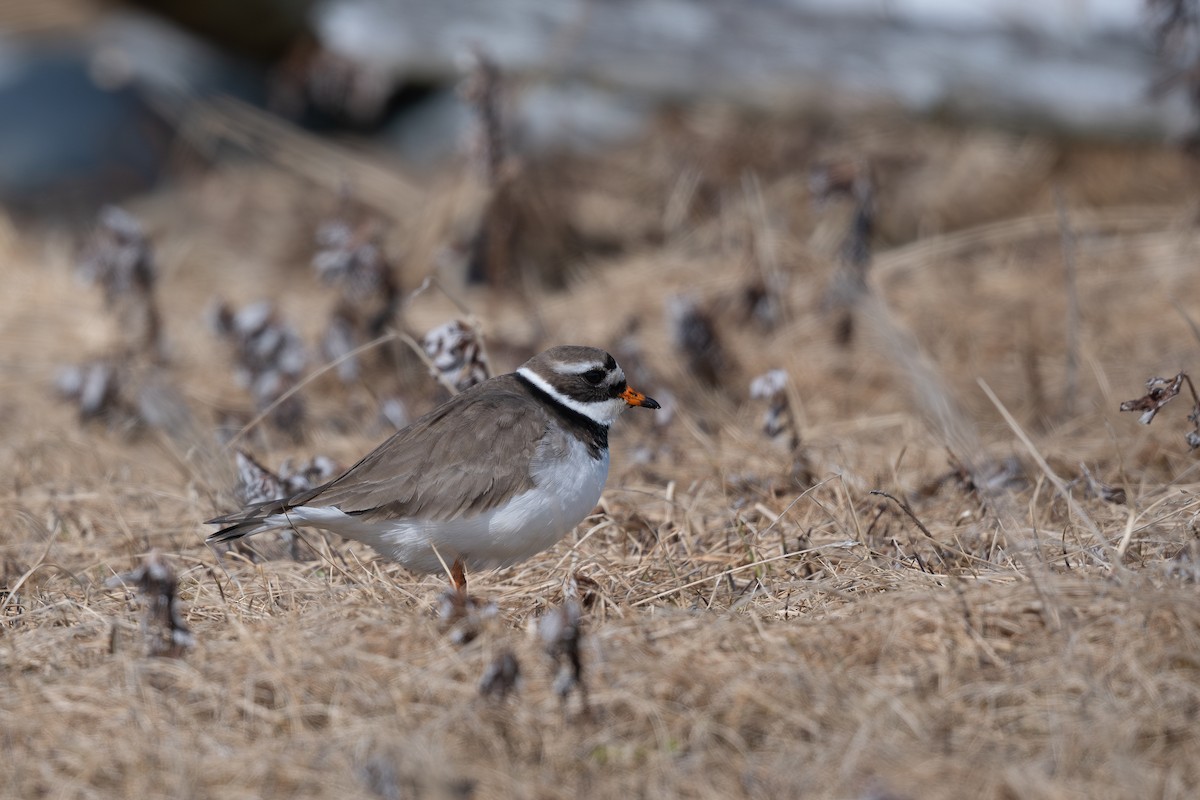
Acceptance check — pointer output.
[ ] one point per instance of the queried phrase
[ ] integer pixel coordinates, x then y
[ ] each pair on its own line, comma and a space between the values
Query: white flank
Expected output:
565, 491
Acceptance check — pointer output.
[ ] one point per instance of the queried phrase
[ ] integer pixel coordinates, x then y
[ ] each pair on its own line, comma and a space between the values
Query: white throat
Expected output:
604, 413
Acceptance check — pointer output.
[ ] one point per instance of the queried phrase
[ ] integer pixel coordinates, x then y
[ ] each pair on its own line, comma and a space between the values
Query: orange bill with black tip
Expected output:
635, 398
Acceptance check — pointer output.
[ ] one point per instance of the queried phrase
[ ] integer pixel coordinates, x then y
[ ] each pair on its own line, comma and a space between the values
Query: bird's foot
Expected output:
458, 577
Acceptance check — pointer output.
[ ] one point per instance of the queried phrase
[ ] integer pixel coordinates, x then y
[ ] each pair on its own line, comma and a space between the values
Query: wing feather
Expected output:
467, 456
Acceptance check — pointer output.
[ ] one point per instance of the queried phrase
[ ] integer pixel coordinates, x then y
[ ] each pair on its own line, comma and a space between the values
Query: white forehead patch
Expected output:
580, 367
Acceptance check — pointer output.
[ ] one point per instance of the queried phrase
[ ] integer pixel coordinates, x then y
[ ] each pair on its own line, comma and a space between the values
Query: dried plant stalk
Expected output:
1161, 391
164, 629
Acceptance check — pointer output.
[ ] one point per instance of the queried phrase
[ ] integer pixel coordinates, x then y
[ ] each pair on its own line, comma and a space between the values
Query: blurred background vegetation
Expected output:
94, 93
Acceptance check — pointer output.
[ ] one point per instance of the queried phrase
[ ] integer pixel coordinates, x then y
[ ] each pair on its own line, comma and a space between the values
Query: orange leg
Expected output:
458, 577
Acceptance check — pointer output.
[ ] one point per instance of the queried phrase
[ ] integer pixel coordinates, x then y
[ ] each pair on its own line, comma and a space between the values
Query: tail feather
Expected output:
246, 522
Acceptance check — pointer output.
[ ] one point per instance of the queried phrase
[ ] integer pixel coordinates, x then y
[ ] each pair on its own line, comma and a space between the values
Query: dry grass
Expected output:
743, 636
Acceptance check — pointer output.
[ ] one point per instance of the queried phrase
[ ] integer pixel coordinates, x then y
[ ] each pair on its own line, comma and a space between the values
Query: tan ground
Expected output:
744, 637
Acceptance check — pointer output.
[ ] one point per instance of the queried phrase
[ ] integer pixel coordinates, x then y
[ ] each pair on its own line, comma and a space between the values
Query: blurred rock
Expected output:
1066, 65
81, 108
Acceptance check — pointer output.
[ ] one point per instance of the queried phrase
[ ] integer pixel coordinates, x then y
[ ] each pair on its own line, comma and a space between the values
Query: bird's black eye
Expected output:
594, 376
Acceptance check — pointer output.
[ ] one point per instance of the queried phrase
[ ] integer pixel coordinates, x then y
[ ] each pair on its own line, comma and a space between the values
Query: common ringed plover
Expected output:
489, 478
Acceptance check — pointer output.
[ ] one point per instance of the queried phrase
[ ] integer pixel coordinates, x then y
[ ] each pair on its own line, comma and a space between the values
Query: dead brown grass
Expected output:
743, 636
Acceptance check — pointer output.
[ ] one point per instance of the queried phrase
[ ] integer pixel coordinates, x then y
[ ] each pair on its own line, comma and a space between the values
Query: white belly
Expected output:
565, 491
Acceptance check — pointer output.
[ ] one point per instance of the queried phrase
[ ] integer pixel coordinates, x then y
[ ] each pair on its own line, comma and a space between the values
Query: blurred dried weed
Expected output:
456, 355
1161, 391
517, 236
120, 260
848, 179
128, 387
1175, 30
164, 628
352, 258
1008, 626
779, 423
269, 358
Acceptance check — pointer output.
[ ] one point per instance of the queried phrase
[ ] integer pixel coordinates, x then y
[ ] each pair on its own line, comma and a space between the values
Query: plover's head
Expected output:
586, 380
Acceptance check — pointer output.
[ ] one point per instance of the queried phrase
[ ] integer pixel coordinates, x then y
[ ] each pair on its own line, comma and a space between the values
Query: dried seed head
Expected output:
124, 395
456, 351
763, 303
255, 483
463, 616
769, 385
118, 258
305, 475
353, 259
561, 631
779, 422
501, 676
269, 358
94, 386
695, 336
1162, 391
263, 343
778, 419
163, 625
